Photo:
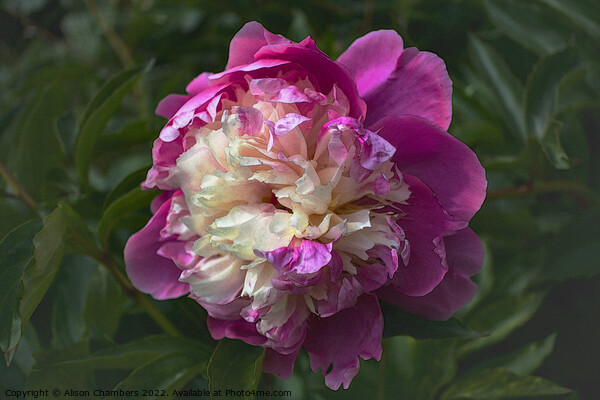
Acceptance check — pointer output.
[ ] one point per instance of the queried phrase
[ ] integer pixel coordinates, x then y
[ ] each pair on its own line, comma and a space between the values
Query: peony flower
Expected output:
299, 192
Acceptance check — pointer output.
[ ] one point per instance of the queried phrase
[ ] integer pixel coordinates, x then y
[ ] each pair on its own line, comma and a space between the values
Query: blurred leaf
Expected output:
417, 369
70, 289
44, 375
553, 149
37, 150
164, 375
26, 7
130, 182
499, 383
65, 127
132, 133
527, 24
62, 230
104, 303
500, 318
17, 253
98, 113
397, 322
575, 90
133, 200
507, 88
12, 214
584, 14
235, 365
133, 354
541, 101
574, 252
523, 361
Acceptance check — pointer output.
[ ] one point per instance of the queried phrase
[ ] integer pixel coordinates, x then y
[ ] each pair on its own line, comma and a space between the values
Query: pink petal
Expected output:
465, 257
148, 271
170, 104
392, 80
280, 365
248, 41
440, 161
236, 329
335, 343
198, 84
252, 120
289, 122
326, 72
424, 224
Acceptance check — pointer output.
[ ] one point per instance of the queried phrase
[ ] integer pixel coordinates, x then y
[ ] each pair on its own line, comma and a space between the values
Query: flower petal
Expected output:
392, 80
465, 257
439, 160
248, 41
424, 224
148, 271
335, 343
280, 365
325, 71
236, 329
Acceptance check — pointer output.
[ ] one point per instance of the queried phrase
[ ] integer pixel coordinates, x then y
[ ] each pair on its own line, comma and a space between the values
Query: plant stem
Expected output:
119, 47
20, 192
113, 38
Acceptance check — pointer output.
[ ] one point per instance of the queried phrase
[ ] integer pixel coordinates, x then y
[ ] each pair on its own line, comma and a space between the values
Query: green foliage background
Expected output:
80, 80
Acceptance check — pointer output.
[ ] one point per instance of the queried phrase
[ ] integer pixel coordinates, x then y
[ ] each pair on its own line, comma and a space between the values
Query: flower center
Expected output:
289, 189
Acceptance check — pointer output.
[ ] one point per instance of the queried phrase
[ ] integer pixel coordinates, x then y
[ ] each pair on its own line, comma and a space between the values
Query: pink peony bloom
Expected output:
300, 191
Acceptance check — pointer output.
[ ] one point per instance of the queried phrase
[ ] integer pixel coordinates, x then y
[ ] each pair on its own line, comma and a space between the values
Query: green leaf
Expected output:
44, 375
65, 128
234, 365
37, 149
397, 322
164, 375
17, 253
417, 369
98, 113
132, 133
527, 24
507, 88
584, 14
500, 383
131, 181
68, 323
523, 361
574, 252
541, 102
104, 304
62, 230
134, 200
500, 318
133, 354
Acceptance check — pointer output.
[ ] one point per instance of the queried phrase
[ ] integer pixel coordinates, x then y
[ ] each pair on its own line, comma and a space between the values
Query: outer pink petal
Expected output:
372, 59
395, 81
335, 343
424, 224
465, 257
248, 41
173, 102
439, 160
280, 365
170, 104
149, 272
236, 329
